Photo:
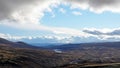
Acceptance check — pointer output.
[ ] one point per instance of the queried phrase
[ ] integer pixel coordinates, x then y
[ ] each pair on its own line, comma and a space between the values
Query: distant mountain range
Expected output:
86, 45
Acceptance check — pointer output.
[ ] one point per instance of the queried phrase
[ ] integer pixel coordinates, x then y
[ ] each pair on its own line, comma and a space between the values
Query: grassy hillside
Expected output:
29, 58
22, 55
96, 55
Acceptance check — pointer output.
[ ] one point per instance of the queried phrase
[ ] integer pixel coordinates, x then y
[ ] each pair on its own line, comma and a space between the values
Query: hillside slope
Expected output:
22, 55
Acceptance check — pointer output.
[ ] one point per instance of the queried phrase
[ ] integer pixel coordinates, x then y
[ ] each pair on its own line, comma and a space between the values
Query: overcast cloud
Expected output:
25, 10
97, 6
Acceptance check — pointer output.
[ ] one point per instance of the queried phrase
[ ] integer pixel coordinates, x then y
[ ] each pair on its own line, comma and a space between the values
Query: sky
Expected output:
56, 21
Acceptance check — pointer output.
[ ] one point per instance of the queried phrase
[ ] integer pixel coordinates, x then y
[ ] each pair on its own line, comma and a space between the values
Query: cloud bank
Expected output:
88, 35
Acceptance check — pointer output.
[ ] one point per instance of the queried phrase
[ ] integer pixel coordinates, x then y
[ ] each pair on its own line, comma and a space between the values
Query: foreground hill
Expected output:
22, 55
28, 58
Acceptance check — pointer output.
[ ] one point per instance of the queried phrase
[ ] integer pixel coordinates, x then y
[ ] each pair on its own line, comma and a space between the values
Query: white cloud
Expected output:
82, 4
10, 37
55, 30
25, 11
104, 31
62, 10
104, 34
77, 13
